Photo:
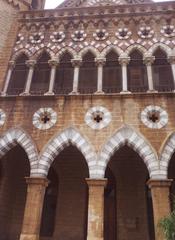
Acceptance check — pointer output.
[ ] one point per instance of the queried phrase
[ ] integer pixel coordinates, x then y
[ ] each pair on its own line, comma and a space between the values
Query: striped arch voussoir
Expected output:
127, 136
168, 150
18, 137
68, 137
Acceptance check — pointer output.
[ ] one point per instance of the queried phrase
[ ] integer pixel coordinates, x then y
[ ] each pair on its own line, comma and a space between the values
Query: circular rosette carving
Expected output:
79, 35
57, 37
100, 34
123, 33
97, 117
145, 32
44, 118
2, 117
36, 38
154, 117
168, 31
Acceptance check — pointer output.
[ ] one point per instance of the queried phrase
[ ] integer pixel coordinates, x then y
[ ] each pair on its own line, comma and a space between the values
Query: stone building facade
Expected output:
87, 119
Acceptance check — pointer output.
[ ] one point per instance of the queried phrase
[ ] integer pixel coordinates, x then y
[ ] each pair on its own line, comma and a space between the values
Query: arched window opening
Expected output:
137, 75
64, 75
13, 189
162, 72
41, 75
49, 206
19, 76
88, 74
112, 75
69, 198
127, 212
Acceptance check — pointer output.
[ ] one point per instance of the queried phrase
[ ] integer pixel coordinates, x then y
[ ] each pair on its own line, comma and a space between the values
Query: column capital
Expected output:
31, 63
164, 183
102, 182
53, 62
11, 64
123, 60
171, 59
76, 62
148, 60
37, 181
100, 61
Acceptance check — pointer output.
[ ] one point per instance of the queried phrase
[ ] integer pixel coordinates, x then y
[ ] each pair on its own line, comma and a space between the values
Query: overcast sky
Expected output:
54, 3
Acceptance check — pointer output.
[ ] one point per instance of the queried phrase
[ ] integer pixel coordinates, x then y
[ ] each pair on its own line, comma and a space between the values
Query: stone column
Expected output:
148, 61
31, 64
123, 60
7, 81
53, 64
172, 62
33, 209
96, 209
100, 62
76, 64
161, 202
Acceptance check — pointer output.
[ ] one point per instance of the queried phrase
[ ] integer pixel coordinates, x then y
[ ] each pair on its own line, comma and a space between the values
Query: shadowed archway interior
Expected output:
128, 204
13, 188
171, 175
65, 204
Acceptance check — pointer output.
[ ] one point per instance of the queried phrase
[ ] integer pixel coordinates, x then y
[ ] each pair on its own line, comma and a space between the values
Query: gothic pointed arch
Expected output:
167, 151
17, 136
68, 137
137, 47
128, 136
90, 49
161, 46
110, 48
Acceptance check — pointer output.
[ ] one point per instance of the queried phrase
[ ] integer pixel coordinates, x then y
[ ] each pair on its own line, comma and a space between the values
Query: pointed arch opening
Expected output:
66, 198
137, 74
112, 75
64, 75
19, 76
162, 72
41, 75
88, 74
128, 203
13, 189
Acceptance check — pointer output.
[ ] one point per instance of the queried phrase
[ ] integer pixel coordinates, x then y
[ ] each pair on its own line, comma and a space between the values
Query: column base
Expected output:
49, 94
29, 237
99, 93
125, 92
152, 91
3, 94
24, 94
74, 93
95, 238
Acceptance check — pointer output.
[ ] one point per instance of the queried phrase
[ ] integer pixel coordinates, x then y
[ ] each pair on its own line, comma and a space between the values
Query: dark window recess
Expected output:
162, 72
19, 76
64, 75
88, 75
112, 75
137, 75
41, 76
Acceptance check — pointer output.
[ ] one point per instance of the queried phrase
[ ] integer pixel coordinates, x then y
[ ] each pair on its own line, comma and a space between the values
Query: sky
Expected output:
54, 3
